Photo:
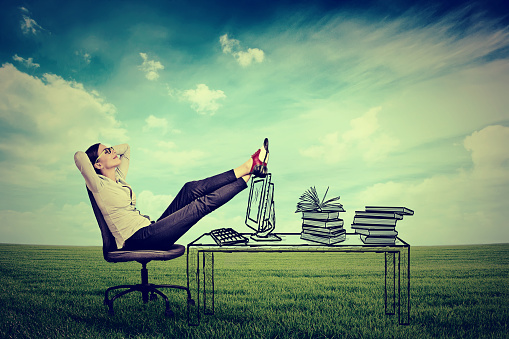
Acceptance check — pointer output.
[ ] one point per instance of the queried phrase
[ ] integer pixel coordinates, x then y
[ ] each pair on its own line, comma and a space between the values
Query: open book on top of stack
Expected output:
320, 219
377, 224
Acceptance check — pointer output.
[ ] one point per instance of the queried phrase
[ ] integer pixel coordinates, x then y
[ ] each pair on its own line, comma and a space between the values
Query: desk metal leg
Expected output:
193, 283
397, 273
404, 286
208, 283
390, 283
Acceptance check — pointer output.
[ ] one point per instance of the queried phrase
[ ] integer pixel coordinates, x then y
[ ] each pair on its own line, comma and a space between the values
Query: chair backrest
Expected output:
109, 243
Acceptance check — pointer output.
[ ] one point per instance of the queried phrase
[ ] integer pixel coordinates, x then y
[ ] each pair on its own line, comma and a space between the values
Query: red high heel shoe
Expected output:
259, 168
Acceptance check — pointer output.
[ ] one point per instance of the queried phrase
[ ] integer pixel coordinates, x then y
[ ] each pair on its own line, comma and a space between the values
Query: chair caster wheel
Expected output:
153, 296
191, 302
169, 314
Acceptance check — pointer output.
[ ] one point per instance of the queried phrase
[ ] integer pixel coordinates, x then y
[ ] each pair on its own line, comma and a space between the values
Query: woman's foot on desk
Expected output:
260, 159
256, 165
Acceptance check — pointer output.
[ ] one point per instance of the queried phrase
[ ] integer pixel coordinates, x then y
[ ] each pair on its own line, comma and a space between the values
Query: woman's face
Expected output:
107, 158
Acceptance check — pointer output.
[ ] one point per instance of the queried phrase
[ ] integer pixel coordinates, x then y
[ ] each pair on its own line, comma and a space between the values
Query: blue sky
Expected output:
387, 103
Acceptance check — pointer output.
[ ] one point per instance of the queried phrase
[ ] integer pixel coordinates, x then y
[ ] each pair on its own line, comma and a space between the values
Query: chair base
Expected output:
148, 292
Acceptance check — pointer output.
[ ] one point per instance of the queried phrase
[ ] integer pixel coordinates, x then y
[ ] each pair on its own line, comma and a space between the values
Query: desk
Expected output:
200, 256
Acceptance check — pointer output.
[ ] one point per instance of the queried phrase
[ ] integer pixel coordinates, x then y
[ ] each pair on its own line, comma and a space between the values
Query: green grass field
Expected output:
456, 292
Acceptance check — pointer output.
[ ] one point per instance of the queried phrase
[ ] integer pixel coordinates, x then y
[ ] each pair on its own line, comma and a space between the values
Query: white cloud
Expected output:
244, 58
30, 26
364, 138
228, 44
252, 54
45, 121
364, 126
203, 100
29, 63
490, 152
150, 67
466, 206
153, 122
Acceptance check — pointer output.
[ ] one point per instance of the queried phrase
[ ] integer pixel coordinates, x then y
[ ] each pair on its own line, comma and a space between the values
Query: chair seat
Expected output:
146, 255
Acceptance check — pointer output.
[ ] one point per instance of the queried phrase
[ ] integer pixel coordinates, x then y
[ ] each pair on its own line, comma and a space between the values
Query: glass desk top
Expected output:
292, 241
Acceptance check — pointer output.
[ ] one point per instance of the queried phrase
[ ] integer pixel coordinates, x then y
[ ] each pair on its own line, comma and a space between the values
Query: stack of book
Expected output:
377, 224
320, 219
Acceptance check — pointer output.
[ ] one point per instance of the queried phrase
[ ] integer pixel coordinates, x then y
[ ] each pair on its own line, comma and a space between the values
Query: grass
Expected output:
456, 292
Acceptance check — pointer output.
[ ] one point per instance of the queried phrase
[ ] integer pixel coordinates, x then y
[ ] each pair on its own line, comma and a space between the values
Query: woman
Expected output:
105, 169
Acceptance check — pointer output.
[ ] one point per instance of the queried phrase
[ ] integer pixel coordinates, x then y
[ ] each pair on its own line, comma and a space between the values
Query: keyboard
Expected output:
227, 236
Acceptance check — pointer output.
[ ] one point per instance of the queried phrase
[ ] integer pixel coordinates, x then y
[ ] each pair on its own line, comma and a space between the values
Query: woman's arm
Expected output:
87, 170
124, 153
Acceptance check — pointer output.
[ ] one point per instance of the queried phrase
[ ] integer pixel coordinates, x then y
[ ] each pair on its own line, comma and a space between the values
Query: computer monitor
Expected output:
261, 214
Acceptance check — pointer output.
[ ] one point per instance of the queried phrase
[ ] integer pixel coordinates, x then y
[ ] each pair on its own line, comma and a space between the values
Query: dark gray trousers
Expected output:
195, 200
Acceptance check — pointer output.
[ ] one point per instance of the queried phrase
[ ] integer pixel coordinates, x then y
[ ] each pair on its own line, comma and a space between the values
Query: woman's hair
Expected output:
92, 155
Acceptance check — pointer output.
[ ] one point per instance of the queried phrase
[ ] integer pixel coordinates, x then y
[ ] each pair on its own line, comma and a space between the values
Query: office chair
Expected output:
111, 254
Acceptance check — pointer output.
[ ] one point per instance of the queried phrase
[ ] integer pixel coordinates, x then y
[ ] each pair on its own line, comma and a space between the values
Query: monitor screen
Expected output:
260, 214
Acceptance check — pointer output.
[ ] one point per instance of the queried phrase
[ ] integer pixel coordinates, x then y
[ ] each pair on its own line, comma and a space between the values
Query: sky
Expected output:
391, 103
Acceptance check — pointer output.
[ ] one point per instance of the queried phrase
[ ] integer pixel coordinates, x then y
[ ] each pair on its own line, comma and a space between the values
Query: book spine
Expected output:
375, 221
377, 240
327, 241
325, 235
323, 223
382, 215
322, 229
379, 233
333, 209
398, 210
320, 215
373, 227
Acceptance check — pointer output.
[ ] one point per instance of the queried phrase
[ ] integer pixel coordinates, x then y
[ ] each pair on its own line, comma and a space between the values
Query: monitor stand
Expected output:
268, 237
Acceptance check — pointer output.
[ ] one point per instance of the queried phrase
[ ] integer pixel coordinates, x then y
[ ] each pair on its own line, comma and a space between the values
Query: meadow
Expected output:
456, 292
